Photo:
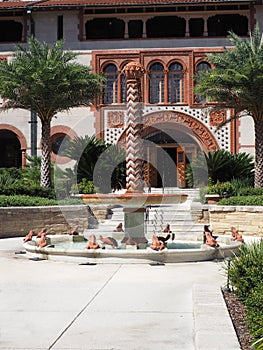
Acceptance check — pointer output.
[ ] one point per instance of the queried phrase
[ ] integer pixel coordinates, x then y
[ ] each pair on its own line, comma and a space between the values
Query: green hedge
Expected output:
254, 306
27, 201
245, 276
242, 200
33, 191
246, 270
251, 191
20, 201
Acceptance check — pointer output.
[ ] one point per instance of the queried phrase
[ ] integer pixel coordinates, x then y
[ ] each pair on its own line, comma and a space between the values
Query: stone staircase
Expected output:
181, 217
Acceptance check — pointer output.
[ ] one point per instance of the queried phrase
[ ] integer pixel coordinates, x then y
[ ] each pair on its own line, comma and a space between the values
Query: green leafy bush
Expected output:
220, 165
21, 189
9, 176
70, 201
258, 344
224, 189
239, 184
20, 201
221, 188
31, 172
251, 191
254, 305
246, 270
27, 201
242, 200
86, 186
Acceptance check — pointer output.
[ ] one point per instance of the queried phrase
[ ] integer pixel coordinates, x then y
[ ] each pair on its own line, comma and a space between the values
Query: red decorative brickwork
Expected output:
217, 117
115, 119
134, 148
203, 134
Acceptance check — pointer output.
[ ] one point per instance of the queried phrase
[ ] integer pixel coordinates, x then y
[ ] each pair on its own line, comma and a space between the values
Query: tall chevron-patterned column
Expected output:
134, 146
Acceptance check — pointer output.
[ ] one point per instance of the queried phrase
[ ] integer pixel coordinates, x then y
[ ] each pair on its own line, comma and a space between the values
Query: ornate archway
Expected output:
171, 140
192, 126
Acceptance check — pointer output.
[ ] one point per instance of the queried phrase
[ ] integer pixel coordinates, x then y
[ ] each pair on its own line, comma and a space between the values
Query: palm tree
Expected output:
110, 170
237, 82
46, 80
86, 151
220, 165
96, 161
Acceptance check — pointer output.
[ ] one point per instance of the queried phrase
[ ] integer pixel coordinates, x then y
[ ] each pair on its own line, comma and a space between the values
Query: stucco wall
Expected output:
248, 220
17, 221
247, 135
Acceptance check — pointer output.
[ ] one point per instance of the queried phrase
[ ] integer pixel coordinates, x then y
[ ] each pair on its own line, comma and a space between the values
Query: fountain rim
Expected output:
147, 255
134, 198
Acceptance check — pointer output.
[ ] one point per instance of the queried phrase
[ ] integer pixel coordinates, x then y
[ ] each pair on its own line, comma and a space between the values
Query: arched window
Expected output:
175, 83
110, 91
202, 66
59, 143
156, 88
123, 89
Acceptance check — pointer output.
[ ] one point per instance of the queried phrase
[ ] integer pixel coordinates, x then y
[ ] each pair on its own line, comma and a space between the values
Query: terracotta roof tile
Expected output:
13, 4
106, 3
95, 3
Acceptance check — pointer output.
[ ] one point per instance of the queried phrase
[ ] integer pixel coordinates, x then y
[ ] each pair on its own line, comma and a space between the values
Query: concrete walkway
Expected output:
55, 305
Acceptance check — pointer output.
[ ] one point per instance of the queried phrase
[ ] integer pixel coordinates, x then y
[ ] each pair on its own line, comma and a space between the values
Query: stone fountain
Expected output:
134, 201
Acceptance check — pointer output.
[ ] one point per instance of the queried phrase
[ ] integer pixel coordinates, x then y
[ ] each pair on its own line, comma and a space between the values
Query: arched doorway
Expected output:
175, 139
167, 153
10, 150
171, 140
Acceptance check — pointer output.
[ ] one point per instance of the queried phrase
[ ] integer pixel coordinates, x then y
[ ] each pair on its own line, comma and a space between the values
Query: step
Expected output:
181, 218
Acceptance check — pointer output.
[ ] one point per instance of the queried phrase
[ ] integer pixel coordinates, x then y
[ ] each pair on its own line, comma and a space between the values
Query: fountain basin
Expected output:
120, 256
133, 199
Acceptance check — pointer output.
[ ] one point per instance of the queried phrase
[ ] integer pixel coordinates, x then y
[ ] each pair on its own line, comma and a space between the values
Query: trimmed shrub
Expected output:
221, 188
251, 191
70, 201
246, 270
20, 201
254, 305
27, 201
34, 191
242, 200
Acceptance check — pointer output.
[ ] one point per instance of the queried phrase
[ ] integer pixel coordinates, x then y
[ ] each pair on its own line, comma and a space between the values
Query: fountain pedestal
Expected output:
134, 206
134, 222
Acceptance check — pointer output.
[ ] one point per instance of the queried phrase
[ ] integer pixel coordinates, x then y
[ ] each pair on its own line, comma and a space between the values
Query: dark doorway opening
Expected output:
105, 28
10, 150
135, 28
166, 163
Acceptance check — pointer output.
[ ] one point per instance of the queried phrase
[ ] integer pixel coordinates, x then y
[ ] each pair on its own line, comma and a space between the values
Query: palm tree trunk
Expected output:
259, 153
45, 160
